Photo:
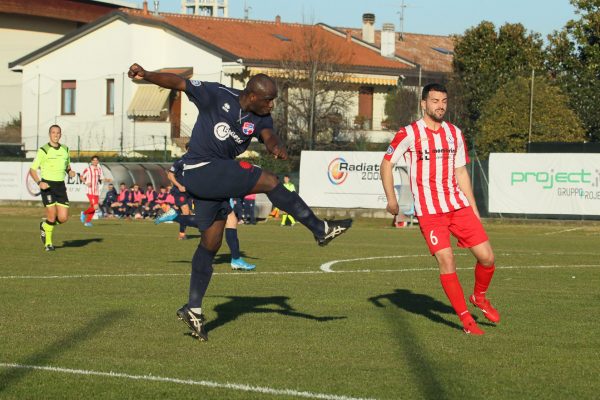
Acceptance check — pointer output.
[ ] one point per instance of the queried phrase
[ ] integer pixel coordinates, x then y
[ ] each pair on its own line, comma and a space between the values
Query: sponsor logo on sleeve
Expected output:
195, 82
390, 150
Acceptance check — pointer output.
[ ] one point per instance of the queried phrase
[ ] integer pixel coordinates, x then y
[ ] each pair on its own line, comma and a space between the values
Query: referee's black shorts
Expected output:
213, 184
56, 194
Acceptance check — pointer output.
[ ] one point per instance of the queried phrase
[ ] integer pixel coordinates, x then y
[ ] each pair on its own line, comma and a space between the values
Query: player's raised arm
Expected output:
163, 79
273, 144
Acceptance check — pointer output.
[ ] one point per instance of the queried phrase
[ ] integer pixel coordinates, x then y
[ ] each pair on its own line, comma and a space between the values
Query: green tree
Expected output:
485, 59
401, 107
573, 58
504, 122
315, 90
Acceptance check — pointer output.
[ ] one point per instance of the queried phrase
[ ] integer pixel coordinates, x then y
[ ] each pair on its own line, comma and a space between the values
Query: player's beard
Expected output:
435, 117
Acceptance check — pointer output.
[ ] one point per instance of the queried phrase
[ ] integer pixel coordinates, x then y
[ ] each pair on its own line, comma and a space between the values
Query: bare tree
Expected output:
315, 90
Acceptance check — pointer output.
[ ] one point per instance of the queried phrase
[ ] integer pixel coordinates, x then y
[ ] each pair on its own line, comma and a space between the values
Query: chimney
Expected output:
388, 40
156, 7
277, 20
368, 28
348, 36
145, 12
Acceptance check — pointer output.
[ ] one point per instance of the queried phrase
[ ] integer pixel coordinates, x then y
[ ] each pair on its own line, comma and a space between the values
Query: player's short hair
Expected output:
433, 87
259, 83
54, 126
122, 183
149, 184
95, 157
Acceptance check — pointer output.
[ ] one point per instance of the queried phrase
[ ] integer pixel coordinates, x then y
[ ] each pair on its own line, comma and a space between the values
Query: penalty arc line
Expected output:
211, 384
326, 267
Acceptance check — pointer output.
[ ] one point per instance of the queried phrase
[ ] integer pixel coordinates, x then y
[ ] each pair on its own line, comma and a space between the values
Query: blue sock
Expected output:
202, 270
233, 242
293, 204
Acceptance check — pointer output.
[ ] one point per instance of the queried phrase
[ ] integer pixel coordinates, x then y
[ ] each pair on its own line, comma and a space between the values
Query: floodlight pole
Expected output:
531, 108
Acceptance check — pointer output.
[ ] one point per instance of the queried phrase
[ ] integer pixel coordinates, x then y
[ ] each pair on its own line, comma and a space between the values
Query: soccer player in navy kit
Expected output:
228, 120
179, 193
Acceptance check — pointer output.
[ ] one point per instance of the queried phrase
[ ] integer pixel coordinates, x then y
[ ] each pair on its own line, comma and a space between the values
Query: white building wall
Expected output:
378, 107
19, 36
105, 54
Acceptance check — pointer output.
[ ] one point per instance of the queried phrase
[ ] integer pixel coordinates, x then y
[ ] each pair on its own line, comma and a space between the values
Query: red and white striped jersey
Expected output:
92, 177
432, 157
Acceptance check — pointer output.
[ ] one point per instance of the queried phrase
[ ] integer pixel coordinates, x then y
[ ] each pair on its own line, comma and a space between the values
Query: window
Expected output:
110, 96
68, 97
282, 38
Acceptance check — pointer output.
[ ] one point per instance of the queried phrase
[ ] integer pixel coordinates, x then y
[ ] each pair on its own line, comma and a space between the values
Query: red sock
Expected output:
89, 213
483, 276
455, 294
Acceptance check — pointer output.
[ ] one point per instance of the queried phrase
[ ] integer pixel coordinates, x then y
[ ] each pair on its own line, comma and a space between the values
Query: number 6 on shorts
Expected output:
432, 238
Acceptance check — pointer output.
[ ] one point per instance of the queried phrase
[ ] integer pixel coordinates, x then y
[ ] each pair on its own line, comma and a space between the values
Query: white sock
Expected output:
197, 310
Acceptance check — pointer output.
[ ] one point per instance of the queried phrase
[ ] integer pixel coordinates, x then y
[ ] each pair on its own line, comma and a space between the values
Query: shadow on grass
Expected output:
241, 305
79, 242
224, 258
45, 356
419, 304
414, 355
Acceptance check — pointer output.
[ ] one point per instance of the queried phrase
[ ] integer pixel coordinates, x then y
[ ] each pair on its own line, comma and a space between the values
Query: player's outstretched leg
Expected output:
292, 203
170, 215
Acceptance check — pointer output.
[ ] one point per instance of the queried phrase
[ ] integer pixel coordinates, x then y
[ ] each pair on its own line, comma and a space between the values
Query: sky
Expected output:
439, 17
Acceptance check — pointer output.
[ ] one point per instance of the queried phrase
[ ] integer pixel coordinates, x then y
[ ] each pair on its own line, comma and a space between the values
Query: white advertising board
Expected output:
544, 183
346, 179
17, 184
11, 182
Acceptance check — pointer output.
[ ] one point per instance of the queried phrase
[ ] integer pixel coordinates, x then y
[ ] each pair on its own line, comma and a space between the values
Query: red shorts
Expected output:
463, 224
93, 199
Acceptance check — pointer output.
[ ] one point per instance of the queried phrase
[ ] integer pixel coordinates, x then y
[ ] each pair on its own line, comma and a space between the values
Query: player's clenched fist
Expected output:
136, 72
280, 152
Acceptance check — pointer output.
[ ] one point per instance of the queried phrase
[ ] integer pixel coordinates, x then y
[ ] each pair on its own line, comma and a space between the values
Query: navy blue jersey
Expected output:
223, 130
177, 170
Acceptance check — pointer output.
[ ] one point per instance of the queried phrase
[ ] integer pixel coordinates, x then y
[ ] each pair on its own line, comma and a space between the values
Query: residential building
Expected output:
28, 25
80, 82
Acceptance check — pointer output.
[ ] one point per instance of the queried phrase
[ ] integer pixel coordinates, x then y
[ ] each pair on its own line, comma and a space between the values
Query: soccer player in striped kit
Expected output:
92, 177
436, 155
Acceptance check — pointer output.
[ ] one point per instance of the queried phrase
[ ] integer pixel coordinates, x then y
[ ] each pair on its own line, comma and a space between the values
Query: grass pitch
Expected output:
96, 318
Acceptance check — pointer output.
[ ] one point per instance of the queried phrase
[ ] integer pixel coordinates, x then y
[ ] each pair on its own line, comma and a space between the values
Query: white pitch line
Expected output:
356, 271
563, 231
327, 266
211, 384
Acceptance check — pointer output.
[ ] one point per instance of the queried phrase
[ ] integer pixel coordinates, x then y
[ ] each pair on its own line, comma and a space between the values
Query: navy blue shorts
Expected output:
181, 198
213, 184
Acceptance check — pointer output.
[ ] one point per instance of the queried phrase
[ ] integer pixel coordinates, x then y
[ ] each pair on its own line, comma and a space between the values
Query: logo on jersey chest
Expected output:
222, 131
248, 128
226, 107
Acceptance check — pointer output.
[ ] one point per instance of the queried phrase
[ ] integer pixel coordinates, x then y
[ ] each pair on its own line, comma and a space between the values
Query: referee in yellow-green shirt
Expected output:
54, 162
